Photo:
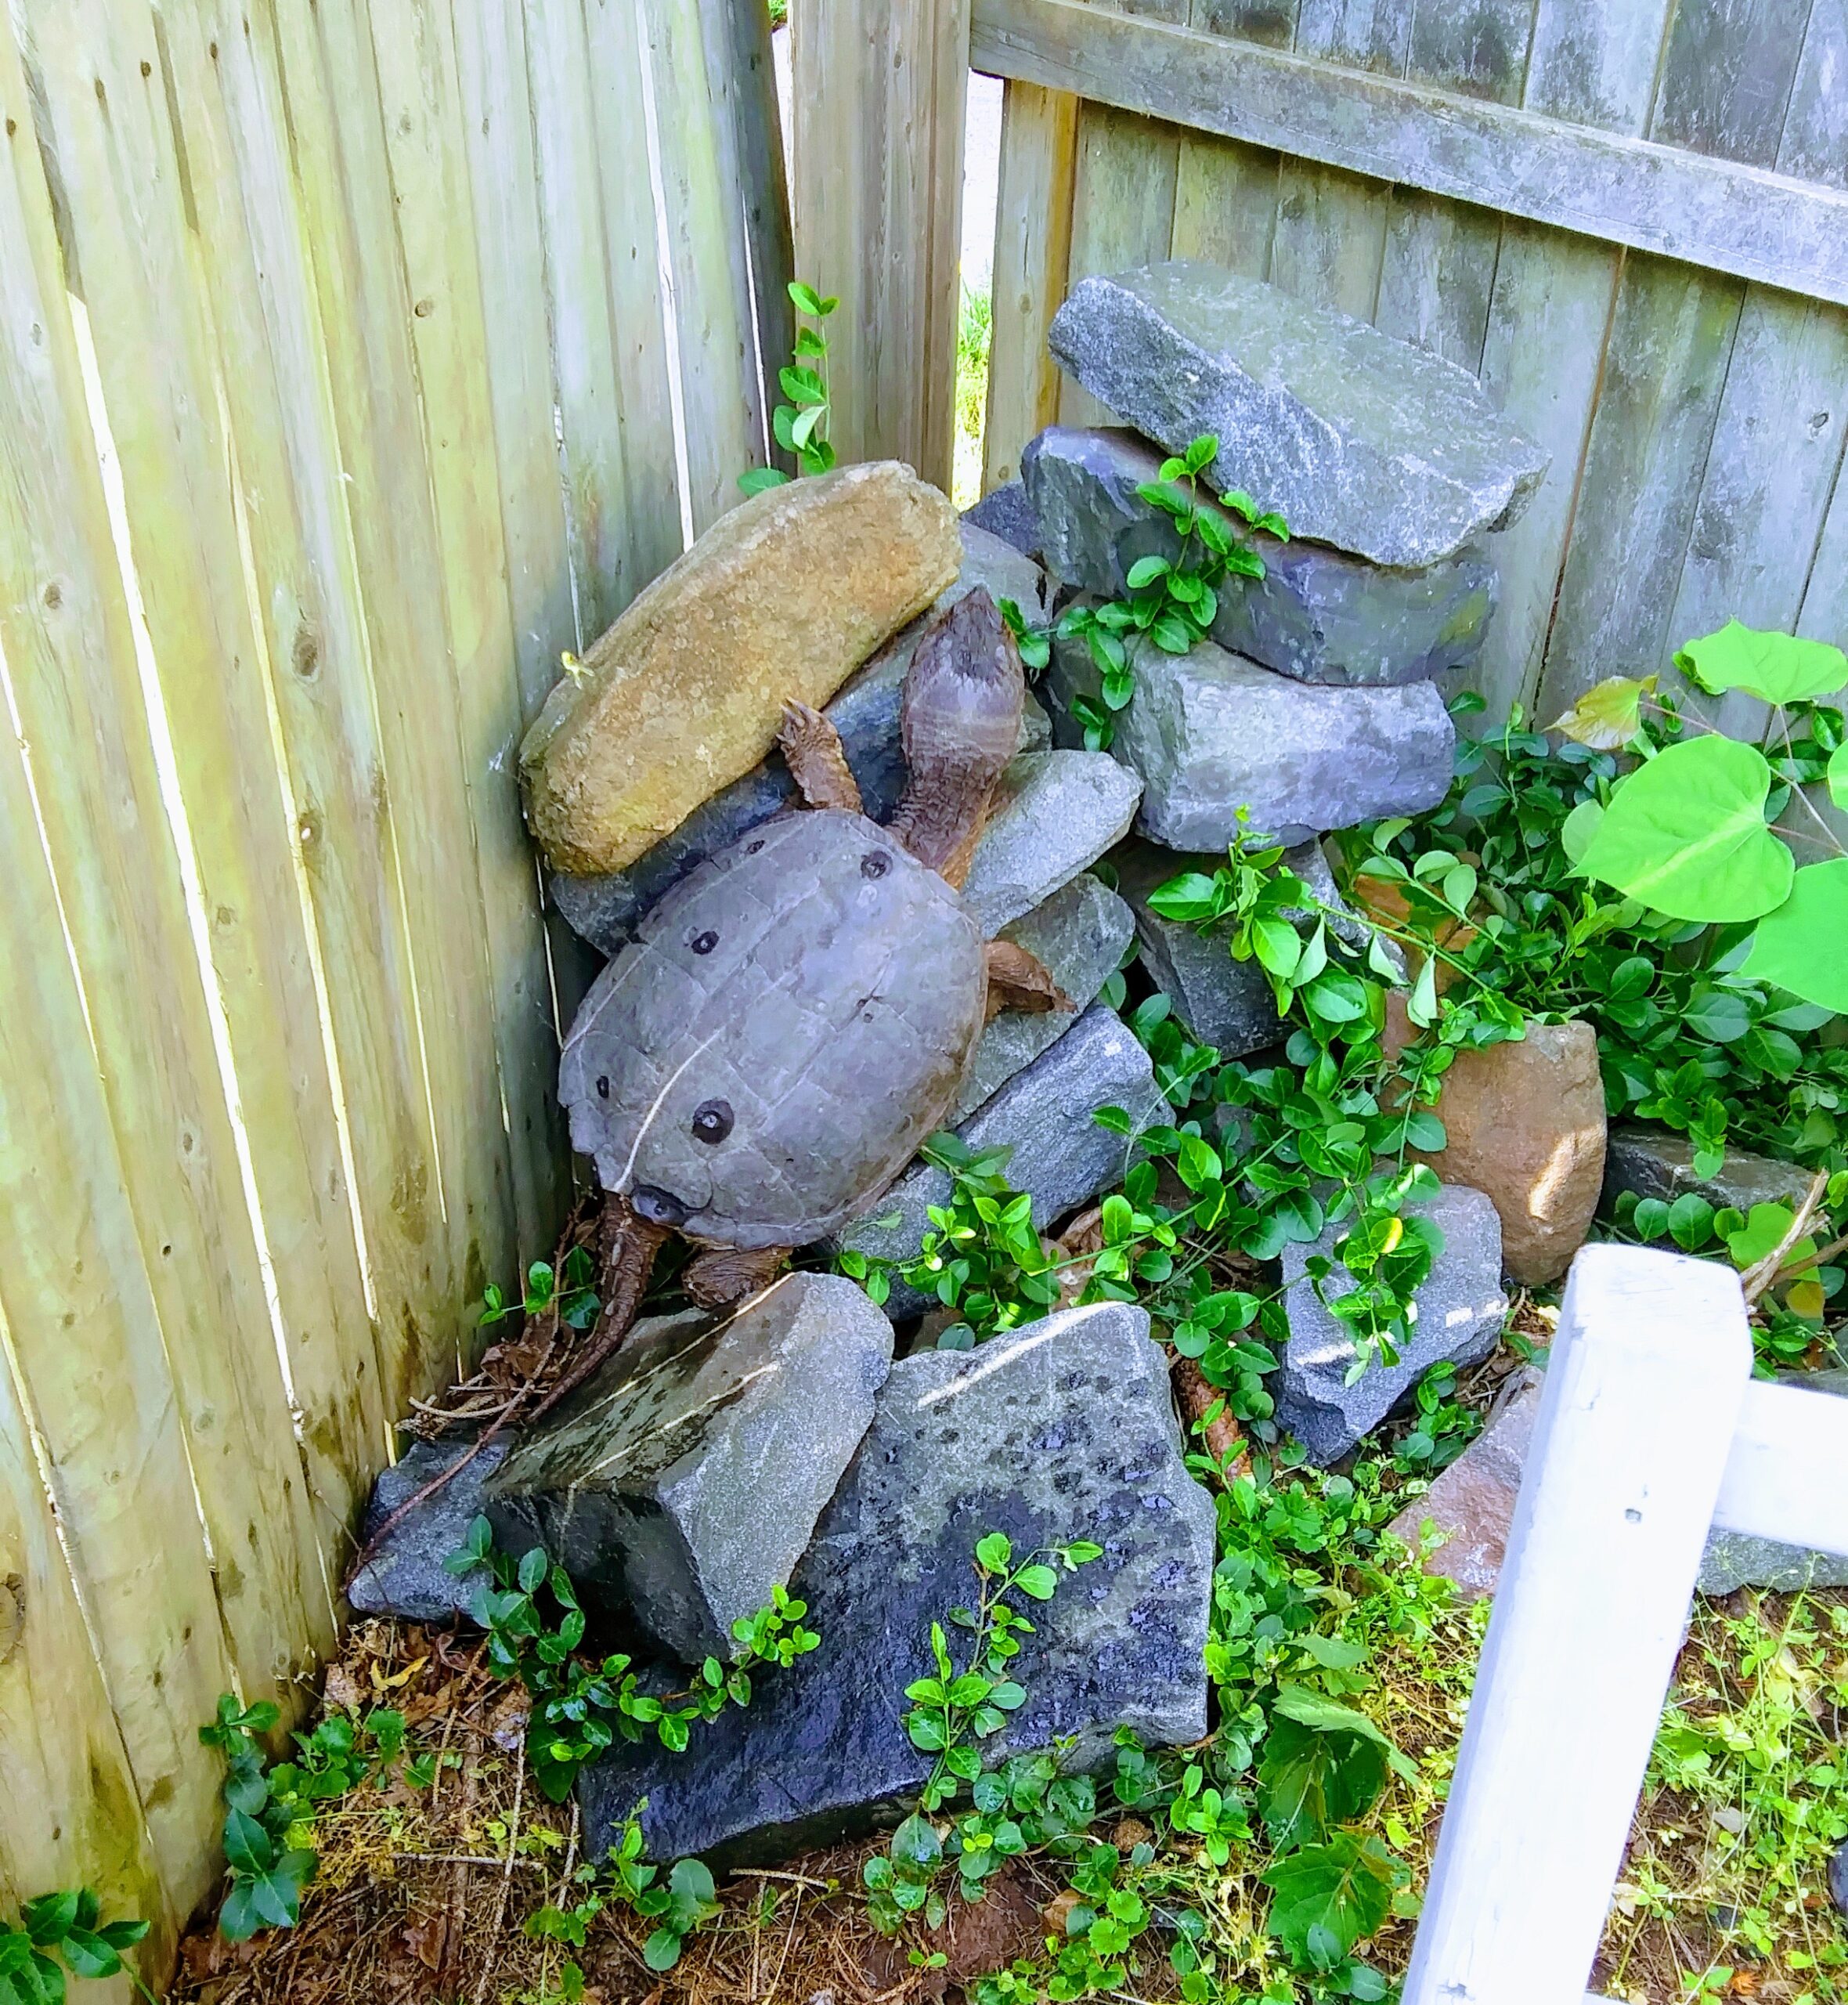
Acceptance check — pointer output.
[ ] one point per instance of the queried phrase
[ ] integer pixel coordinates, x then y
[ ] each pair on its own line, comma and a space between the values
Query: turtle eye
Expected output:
875, 863
712, 1121
703, 943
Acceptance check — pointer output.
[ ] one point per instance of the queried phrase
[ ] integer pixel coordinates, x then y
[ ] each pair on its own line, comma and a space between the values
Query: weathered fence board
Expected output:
1628, 220
339, 393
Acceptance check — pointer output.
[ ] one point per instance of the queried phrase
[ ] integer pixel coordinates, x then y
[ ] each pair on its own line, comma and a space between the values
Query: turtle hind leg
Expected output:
812, 748
1018, 979
719, 1275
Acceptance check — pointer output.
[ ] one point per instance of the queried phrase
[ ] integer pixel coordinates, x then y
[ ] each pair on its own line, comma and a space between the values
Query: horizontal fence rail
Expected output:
355, 360
1724, 215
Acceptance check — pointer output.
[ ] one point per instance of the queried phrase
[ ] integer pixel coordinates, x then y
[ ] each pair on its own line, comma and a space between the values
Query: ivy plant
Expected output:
61, 1932
800, 425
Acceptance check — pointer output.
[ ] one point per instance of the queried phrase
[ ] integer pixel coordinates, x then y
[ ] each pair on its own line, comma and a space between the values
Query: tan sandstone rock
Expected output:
781, 600
1525, 1124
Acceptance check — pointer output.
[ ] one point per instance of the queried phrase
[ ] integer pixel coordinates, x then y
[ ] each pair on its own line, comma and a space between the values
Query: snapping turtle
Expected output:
795, 1017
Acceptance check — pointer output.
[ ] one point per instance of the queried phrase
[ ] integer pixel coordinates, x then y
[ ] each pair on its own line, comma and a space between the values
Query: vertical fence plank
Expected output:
70, 1817
80, 695
698, 115
1123, 212
343, 191
419, 98
86, 1347
879, 214
1549, 322
306, 600
1225, 204
1039, 133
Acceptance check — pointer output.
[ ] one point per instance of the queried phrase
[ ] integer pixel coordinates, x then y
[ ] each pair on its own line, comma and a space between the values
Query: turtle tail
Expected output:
963, 694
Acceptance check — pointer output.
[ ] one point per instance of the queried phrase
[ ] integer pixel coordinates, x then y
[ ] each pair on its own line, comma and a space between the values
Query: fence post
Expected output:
1644, 1391
879, 90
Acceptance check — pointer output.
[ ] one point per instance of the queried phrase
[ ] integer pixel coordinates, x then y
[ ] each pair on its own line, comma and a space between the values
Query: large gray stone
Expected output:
408, 1577
1356, 438
1656, 1162
1055, 814
604, 910
1461, 1308
1008, 514
1044, 1115
686, 1478
1317, 614
1211, 732
1735, 1560
1063, 1430
1079, 935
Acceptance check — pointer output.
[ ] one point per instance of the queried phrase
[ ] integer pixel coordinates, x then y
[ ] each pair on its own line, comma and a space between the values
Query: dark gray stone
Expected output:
1044, 1115
1060, 1431
1838, 1879
1656, 1162
1317, 614
1461, 1308
1225, 1003
686, 1478
604, 910
1735, 1559
1008, 514
1079, 935
1211, 732
408, 1577
1055, 815
1356, 439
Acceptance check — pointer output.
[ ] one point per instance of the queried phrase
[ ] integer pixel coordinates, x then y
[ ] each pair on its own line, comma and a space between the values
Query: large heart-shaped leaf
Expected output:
1779, 667
1609, 713
1344, 1886
1686, 834
1803, 946
1838, 776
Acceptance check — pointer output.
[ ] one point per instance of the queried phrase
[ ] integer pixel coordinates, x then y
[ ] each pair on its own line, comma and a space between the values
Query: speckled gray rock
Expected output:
1357, 440
1735, 1560
1008, 514
1461, 1308
1656, 1162
1079, 935
408, 1577
1210, 732
604, 910
1317, 614
1055, 814
1061, 1156
1837, 1879
1059, 1431
687, 1476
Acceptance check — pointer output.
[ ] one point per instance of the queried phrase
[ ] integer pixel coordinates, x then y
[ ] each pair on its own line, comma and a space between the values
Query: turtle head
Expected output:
963, 694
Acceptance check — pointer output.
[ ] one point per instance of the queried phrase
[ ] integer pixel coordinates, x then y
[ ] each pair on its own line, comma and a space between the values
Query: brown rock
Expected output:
1525, 1124
1472, 1502
780, 600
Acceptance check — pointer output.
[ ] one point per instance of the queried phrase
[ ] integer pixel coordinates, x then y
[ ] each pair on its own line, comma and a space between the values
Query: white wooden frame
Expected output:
1651, 1430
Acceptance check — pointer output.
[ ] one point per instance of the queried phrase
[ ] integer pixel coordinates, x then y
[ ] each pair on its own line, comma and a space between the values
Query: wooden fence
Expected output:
355, 359
1629, 218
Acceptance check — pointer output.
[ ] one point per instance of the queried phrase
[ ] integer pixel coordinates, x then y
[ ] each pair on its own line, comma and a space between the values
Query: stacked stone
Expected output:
1315, 703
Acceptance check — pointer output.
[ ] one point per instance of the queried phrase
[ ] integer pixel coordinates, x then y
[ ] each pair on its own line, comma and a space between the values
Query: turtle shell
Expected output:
791, 1021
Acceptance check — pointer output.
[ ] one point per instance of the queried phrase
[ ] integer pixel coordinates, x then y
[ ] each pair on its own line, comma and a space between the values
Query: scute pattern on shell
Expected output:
832, 1017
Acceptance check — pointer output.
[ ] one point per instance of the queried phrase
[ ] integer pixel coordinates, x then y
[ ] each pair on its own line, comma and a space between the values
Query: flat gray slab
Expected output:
1356, 439
1460, 1311
686, 1478
1656, 1162
1056, 813
408, 1577
1079, 935
604, 910
1735, 1559
1045, 1115
1318, 614
1210, 732
1063, 1430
